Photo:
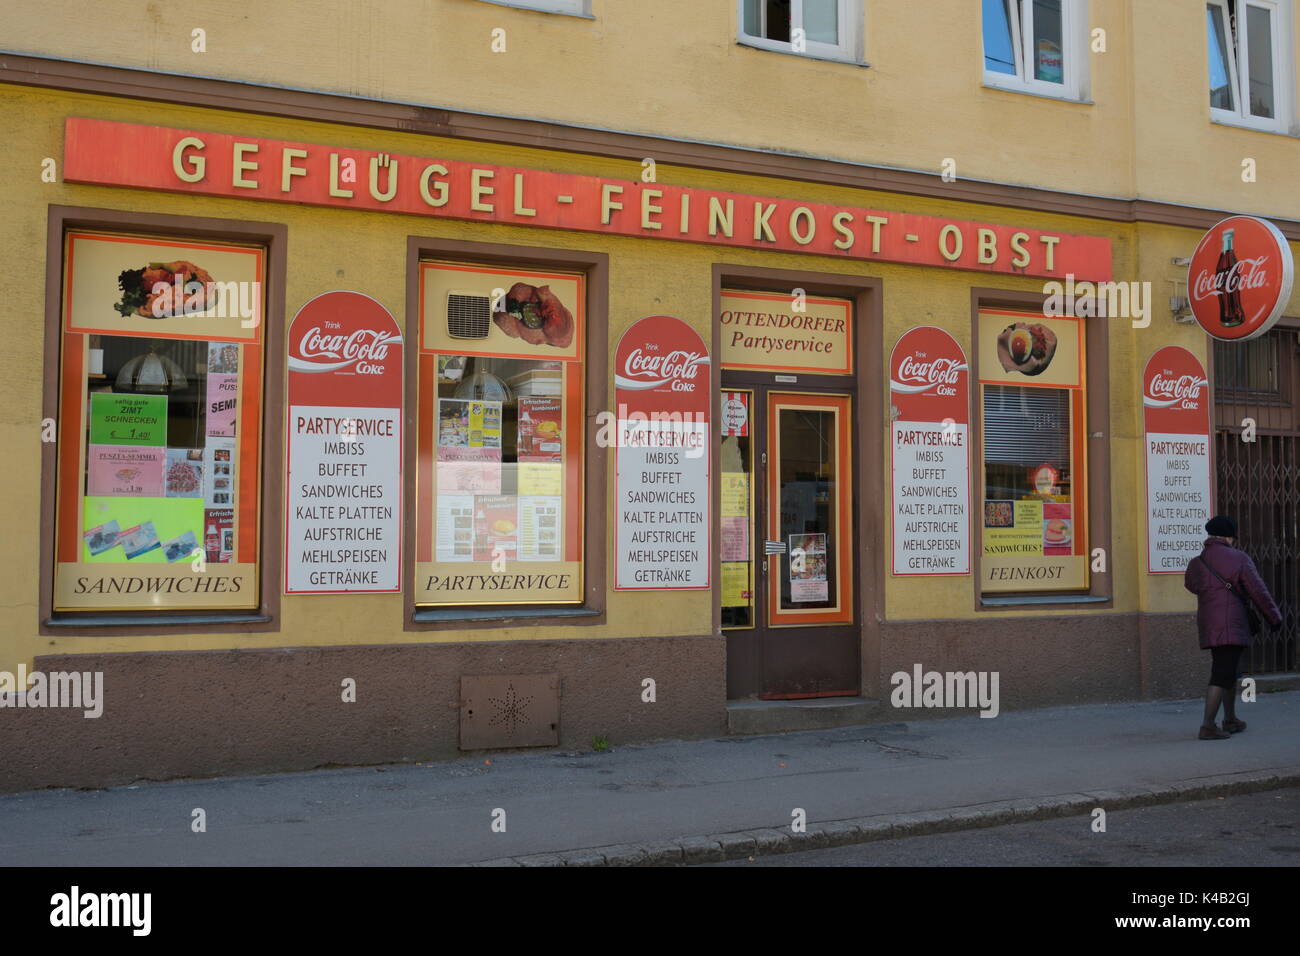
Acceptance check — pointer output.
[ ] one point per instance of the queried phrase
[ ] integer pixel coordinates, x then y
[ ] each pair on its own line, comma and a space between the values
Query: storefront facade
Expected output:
361, 503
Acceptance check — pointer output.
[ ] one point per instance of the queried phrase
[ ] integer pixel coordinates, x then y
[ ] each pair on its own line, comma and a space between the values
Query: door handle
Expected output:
773, 547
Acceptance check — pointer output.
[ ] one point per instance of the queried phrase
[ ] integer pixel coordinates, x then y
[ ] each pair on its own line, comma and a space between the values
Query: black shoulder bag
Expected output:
1252, 619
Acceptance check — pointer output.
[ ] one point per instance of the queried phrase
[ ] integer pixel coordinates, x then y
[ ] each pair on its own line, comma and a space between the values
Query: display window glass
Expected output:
1034, 507
499, 475
160, 407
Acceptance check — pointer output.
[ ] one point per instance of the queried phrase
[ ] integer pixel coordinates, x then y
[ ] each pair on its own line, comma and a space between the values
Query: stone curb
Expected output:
766, 841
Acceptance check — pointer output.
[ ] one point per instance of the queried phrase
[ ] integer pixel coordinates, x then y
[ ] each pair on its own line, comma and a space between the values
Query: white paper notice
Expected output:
663, 505
931, 498
1178, 499
455, 530
343, 498
539, 527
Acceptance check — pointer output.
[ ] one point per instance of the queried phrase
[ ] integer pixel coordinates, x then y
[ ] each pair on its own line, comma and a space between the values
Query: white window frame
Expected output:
572, 8
1074, 52
849, 27
1238, 50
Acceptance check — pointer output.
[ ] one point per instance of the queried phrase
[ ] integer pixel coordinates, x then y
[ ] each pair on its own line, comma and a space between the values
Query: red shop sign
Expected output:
1240, 278
250, 167
928, 377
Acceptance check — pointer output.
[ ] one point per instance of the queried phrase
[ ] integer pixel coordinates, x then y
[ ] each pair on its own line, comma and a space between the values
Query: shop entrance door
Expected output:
788, 551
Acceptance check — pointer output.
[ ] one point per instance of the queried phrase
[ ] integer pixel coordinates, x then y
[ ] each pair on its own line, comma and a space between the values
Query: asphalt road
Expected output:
1255, 829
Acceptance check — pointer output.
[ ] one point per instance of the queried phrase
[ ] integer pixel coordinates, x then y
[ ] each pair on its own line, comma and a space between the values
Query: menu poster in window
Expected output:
218, 534
496, 527
540, 429
1176, 414
662, 503
735, 414
455, 524
223, 391
929, 389
539, 527
128, 419
807, 564
343, 526
219, 473
126, 470
736, 590
184, 473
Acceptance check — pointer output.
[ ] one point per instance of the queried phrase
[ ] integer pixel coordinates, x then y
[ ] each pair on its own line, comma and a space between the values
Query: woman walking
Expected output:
1225, 582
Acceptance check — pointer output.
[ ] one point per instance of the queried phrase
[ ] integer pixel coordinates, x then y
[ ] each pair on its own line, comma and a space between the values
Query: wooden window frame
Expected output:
594, 266
273, 236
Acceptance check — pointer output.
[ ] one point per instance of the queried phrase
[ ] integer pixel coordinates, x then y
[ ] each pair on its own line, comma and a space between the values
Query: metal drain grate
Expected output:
509, 710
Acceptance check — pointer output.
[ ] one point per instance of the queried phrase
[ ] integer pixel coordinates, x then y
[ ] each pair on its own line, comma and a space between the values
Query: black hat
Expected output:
1221, 526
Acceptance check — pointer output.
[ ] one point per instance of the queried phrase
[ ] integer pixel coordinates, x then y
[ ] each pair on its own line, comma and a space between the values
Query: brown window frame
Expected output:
1100, 592
595, 268
266, 617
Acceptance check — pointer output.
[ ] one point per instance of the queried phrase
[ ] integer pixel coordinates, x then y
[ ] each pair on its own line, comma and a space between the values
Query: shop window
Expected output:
1034, 507
160, 411
1248, 49
822, 28
1036, 46
499, 476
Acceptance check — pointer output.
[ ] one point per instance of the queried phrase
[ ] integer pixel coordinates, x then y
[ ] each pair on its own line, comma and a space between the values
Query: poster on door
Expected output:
1176, 415
930, 440
664, 517
343, 507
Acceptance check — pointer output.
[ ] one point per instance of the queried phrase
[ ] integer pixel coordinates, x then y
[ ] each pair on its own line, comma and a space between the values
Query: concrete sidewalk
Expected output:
912, 777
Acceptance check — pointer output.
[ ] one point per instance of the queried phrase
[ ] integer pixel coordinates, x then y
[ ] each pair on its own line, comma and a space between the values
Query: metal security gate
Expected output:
1259, 481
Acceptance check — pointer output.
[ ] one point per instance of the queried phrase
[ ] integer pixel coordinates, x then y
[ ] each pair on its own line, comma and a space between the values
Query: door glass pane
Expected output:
1220, 73
1047, 42
736, 548
806, 479
999, 48
1259, 37
821, 20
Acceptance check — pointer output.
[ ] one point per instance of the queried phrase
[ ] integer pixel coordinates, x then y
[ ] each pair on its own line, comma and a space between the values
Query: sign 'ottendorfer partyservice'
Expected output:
249, 167
343, 513
663, 504
929, 390
1176, 413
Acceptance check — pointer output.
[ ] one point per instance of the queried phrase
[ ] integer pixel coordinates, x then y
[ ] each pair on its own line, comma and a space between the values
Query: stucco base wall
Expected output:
1050, 661
208, 713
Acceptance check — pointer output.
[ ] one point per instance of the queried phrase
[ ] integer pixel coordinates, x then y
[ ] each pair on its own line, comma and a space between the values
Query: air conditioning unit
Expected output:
469, 314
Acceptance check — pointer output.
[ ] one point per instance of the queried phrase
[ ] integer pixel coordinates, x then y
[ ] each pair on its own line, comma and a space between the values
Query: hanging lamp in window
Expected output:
150, 374
482, 386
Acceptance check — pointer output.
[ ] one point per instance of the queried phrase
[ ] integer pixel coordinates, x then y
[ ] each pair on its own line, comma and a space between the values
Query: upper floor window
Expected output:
1035, 46
823, 28
1249, 62
577, 8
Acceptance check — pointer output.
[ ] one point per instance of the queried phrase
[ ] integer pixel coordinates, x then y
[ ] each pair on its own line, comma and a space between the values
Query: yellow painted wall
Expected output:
674, 68
646, 277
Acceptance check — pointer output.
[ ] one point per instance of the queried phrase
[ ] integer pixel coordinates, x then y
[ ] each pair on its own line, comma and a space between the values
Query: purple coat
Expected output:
1220, 614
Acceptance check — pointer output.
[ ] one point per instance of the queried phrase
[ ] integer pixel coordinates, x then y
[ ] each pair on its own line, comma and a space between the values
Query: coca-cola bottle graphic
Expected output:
1228, 283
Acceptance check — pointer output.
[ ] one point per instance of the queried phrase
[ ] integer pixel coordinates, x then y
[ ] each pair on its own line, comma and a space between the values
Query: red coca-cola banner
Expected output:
928, 377
1176, 393
343, 464
1240, 278
1176, 414
663, 532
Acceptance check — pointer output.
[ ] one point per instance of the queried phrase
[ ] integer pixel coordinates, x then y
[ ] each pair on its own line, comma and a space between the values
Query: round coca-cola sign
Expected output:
1240, 278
